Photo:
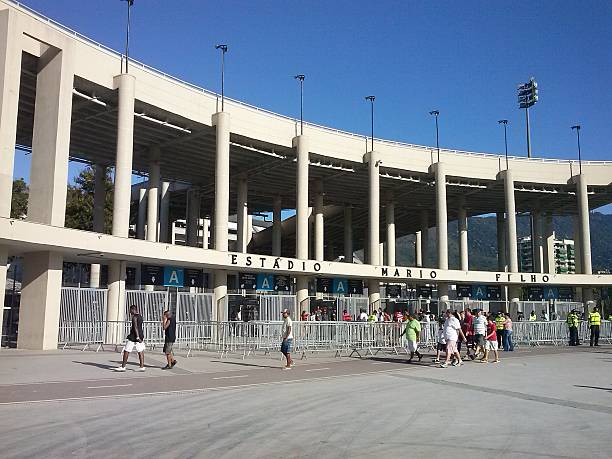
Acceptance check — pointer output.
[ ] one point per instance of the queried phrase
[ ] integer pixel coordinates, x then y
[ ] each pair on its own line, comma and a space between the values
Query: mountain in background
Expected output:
482, 242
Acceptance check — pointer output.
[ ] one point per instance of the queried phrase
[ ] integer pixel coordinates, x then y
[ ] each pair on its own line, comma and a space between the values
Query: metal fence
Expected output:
194, 307
150, 304
83, 304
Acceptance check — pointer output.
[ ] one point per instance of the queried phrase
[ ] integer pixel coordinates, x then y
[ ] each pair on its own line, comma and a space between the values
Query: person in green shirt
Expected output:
412, 332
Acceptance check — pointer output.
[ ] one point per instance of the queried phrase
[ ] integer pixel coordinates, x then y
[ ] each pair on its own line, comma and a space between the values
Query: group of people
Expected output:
594, 322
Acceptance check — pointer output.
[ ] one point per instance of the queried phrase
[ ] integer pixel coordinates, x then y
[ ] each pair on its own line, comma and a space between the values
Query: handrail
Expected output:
88, 41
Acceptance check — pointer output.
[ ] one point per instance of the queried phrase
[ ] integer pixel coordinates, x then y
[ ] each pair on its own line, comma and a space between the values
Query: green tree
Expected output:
80, 200
19, 199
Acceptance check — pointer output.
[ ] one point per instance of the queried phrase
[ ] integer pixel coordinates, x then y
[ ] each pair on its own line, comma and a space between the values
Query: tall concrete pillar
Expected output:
277, 228
221, 121
164, 213
193, 217
424, 219
319, 223
502, 263
513, 291
538, 256
585, 233
418, 247
41, 288
121, 196
441, 225
115, 307
302, 302
390, 243
348, 234
462, 223
10, 77
98, 217
550, 261
242, 216
300, 144
141, 221
153, 197
373, 161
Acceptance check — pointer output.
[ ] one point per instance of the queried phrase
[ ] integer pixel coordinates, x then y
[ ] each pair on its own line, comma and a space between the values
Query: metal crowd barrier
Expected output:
342, 338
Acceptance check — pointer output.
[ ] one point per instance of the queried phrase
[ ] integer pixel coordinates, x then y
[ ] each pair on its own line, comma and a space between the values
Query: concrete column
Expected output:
51, 139
193, 217
374, 224
242, 215
40, 300
319, 242
348, 234
277, 229
550, 262
220, 295
510, 221
462, 223
221, 121
418, 244
10, 76
538, 256
164, 213
381, 253
3, 275
301, 296
300, 144
502, 263
205, 233
115, 306
424, 237
125, 147
441, 214
98, 217
585, 226
153, 199
141, 221
390, 220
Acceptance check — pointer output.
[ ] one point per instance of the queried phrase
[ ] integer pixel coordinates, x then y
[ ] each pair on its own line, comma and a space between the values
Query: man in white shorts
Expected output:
135, 340
452, 331
412, 332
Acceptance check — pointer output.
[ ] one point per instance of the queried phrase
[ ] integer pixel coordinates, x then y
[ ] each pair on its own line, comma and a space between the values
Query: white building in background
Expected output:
563, 262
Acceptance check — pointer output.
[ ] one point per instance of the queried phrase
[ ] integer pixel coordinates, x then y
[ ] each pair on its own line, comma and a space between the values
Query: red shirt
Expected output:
491, 332
346, 317
468, 325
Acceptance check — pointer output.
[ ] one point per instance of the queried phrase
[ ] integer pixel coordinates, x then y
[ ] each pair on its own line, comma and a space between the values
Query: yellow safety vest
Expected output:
572, 320
532, 318
594, 318
499, 322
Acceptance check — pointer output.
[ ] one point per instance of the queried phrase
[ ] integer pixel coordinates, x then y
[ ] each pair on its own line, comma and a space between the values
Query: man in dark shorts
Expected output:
479, 324
169, 324
468, 331
135, 340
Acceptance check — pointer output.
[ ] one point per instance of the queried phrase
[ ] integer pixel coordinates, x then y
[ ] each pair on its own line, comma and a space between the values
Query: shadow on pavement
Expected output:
609, 389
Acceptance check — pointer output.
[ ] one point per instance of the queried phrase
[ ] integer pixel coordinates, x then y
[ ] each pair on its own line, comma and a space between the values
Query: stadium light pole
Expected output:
223, 49
130, 3
577, 128
505, 123
436, 113
372, 99
301, 80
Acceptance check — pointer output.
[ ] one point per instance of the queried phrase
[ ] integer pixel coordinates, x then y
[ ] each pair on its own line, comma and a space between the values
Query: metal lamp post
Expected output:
130, 3
372, 99
577, 128
505, 123
223, 49
436, 113
301, 80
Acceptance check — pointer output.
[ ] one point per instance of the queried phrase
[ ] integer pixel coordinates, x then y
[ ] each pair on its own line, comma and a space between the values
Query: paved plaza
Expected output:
538, 402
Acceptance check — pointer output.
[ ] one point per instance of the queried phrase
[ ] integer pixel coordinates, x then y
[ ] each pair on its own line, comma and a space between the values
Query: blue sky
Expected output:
462, 58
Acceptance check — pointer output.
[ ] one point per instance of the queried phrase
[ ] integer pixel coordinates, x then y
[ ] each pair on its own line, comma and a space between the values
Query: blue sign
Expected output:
479, 292
173, 276
551, 293
265, 282
340, 286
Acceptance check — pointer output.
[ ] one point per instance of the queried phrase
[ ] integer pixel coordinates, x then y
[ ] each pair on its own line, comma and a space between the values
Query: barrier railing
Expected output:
342, 338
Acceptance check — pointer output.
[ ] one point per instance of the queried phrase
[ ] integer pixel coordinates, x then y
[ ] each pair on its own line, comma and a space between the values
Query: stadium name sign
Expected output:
251, 262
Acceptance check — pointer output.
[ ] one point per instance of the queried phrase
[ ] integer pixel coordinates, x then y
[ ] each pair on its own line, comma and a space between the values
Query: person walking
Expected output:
491, 341
507, 339
594, 324
287, 338
169, 324
441, 344
499, 328
572, 324
134, 340
480, 331
452, 331
468, 330
412, 332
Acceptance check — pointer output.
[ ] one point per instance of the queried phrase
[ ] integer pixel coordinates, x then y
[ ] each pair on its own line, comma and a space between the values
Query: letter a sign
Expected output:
340, 286
265, 282
173, 277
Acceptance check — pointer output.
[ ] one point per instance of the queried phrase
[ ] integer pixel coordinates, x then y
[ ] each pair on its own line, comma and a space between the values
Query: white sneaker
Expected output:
120, 369
286, 368
141, 369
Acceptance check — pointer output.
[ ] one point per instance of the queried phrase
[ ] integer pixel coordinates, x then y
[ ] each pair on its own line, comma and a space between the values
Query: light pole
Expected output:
372, 99
436, 113
577, 128
505, 123
301, 79
223, 49
127, 35
527, 97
